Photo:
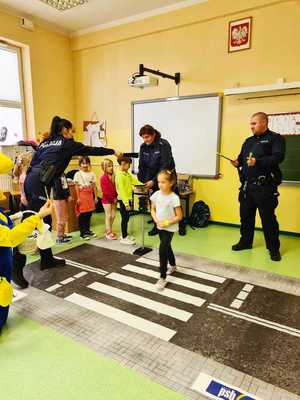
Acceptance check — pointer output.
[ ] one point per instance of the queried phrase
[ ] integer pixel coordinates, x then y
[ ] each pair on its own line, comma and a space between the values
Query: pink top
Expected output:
109, 193
21, 184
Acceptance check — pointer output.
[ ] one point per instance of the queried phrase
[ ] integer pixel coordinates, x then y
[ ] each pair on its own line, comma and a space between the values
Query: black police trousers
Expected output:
265, 199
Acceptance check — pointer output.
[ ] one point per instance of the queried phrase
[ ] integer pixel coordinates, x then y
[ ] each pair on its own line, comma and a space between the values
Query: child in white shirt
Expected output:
166, 212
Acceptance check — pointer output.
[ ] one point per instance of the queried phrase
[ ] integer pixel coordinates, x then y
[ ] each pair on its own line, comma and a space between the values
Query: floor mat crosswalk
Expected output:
126, 292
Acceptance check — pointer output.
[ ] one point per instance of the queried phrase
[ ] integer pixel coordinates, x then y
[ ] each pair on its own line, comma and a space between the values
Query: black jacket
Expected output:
154, 158
269, 150
59, 151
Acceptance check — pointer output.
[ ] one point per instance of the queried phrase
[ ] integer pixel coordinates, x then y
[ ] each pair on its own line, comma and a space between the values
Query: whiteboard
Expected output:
190, 124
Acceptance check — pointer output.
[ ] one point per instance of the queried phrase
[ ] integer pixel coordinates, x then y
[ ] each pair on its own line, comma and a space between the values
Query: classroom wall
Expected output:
51, 69
194, 42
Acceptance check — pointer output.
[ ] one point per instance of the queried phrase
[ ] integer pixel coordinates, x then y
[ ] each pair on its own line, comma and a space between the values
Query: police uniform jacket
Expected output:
154, 158
269, 150
59, 151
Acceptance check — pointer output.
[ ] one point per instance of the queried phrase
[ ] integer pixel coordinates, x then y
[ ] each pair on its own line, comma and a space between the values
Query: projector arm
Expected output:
175, 77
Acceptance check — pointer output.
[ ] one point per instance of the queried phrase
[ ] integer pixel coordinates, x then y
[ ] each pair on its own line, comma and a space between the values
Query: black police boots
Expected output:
241, 246
19, 261
48, 261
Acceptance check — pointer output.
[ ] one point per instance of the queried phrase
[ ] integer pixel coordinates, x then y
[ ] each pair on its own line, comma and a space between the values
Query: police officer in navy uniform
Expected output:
57, 150
260, 175
155, 155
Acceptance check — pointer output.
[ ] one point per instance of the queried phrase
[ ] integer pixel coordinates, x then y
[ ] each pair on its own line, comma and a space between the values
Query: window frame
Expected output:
16, 104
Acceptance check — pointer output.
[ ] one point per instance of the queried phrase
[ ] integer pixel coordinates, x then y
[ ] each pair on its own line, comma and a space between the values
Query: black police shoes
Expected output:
48, 261
241, 246
275, 255
18, 278
53, 263
19, 262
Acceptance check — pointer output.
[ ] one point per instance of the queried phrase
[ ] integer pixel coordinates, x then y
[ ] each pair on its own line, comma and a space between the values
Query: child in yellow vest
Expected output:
11, 236
124, 184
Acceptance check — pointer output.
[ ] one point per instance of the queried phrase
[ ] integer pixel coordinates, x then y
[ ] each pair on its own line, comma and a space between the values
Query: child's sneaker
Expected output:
131, 237
161, 284
127, 240
86, 236
70, 237
62, 240
171, 269
92, 234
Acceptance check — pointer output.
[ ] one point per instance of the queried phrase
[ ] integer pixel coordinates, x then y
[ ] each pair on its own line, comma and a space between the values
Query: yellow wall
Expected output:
194, 42
51, 70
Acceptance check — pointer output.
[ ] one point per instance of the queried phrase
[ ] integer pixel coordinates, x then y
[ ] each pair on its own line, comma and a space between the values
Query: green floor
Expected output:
37, 363
214, 242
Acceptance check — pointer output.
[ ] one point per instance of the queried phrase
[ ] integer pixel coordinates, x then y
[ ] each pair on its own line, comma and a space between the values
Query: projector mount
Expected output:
175, 77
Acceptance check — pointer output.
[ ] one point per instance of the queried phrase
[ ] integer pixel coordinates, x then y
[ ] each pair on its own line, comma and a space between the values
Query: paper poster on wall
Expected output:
285, 123
288, 125
94, 133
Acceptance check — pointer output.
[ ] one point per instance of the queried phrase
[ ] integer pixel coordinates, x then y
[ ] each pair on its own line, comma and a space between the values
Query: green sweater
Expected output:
124, 183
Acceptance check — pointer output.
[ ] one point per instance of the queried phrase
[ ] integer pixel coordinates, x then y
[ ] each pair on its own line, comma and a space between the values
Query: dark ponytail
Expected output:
55, 126
149, 130
58, 124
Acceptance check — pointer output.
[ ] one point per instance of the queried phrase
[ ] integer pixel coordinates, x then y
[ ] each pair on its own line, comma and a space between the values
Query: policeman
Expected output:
52, 158
155, 155
260, 175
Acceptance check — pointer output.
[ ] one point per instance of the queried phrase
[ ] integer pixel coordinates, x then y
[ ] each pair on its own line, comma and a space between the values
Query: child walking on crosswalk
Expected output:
166, 212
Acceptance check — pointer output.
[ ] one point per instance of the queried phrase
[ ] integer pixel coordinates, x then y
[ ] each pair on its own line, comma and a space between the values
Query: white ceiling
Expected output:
96, 14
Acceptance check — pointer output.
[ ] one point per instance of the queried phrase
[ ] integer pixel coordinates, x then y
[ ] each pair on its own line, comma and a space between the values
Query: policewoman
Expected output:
155, 155
12, 236
260, 175
48, 163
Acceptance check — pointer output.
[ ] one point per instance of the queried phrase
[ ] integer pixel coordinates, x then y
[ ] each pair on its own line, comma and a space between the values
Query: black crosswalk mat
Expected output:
250, 328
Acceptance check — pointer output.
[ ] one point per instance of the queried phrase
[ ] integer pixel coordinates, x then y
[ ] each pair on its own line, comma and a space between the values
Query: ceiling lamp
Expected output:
63, 5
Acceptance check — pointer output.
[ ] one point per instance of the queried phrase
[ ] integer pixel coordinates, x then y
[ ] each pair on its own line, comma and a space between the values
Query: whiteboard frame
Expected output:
178, 98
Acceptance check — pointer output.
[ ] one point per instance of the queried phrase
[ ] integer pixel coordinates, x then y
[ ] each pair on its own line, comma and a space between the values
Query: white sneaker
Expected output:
92, 234
161, 284
131, 237
171, 269
85, 237
127, 241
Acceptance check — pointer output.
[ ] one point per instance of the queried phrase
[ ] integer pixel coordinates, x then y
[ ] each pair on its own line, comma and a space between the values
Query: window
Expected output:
11, 96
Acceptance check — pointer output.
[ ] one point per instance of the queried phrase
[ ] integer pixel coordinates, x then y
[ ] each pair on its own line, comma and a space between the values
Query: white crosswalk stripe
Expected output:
173, 294
186, 271
88, 268
178, 281
128, 295
122, 316
142, 301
